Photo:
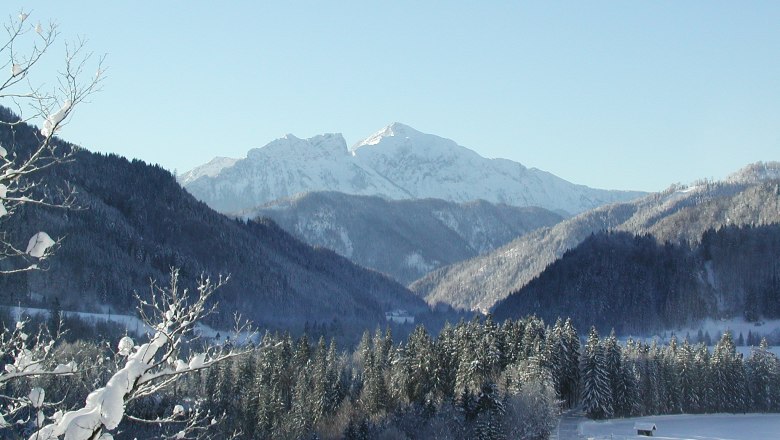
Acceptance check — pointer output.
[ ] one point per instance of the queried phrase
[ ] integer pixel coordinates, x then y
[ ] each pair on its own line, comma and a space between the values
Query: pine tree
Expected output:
763, 374
554, 356
248, 393
618, 377
703, 379
690, 400
728, 376
596, 393
55, 317
446, 364
490, 412
417, 363
570, 366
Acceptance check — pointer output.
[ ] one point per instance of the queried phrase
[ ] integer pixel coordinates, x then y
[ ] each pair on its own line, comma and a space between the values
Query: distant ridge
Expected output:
402, 238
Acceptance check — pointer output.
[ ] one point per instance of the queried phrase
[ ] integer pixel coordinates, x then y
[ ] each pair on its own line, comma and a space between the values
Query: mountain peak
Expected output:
329, 144
210, 169
396, 129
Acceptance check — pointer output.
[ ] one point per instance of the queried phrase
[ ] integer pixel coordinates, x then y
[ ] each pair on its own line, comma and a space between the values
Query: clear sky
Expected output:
620, 94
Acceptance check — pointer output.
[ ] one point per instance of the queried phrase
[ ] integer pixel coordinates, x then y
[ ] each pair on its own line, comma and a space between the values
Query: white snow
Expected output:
322, 226
689, 427
716, 328
210, 169
416, 261
3, 152
106, 406
130, 323
756, 172
36, 397
16, 69
39, 244
70, 367
51, 122
125, 346
197, 361
397, 162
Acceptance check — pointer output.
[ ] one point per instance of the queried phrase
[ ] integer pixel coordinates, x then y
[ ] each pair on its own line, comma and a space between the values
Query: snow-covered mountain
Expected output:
398, 162
402, 238
210, 169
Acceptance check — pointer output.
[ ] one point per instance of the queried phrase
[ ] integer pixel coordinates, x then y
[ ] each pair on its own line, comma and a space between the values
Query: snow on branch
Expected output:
148, 367
50, 105
25, 356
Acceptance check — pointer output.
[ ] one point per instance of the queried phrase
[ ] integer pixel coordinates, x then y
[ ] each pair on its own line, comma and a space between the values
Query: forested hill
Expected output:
136, 222
749, 197
636, 284
403, 238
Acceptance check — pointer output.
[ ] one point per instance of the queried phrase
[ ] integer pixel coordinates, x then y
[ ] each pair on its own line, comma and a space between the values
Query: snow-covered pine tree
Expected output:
619, 379
690, 398
490, 412
670, 375
446, 364
703, 383
554, 356
570, 364
596, 392
727, 376
763, 373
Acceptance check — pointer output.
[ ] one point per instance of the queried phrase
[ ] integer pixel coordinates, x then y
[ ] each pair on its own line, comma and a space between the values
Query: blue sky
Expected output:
628, 95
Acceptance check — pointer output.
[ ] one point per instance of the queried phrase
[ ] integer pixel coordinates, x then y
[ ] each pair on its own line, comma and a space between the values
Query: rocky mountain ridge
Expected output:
398, 162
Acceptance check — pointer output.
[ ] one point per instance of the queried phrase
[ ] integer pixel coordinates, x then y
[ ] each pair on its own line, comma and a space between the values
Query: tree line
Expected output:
476, 379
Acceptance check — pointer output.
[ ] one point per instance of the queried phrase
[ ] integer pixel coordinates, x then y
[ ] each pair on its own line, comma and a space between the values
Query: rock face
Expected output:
402, 238
398, 162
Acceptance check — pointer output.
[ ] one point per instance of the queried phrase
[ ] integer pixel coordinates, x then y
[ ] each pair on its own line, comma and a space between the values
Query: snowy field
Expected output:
131, 324
716, 327
689, 427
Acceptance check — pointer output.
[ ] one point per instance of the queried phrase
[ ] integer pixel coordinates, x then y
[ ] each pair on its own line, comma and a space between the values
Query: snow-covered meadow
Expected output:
689, 427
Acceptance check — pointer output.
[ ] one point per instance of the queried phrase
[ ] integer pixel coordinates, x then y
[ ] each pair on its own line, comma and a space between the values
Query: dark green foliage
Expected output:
635, 284
597, 398
287, 389
672, 216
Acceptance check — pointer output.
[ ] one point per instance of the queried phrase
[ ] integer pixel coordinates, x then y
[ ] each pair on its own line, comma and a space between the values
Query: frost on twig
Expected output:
26, 356
149, 367
51, 106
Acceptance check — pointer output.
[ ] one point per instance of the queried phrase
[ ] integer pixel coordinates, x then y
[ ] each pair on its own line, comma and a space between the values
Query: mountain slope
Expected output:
397, 162
635, 284
405, 239
137, 222
675, 215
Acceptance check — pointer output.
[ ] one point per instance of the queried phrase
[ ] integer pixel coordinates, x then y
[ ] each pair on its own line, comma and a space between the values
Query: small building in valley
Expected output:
645, 428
